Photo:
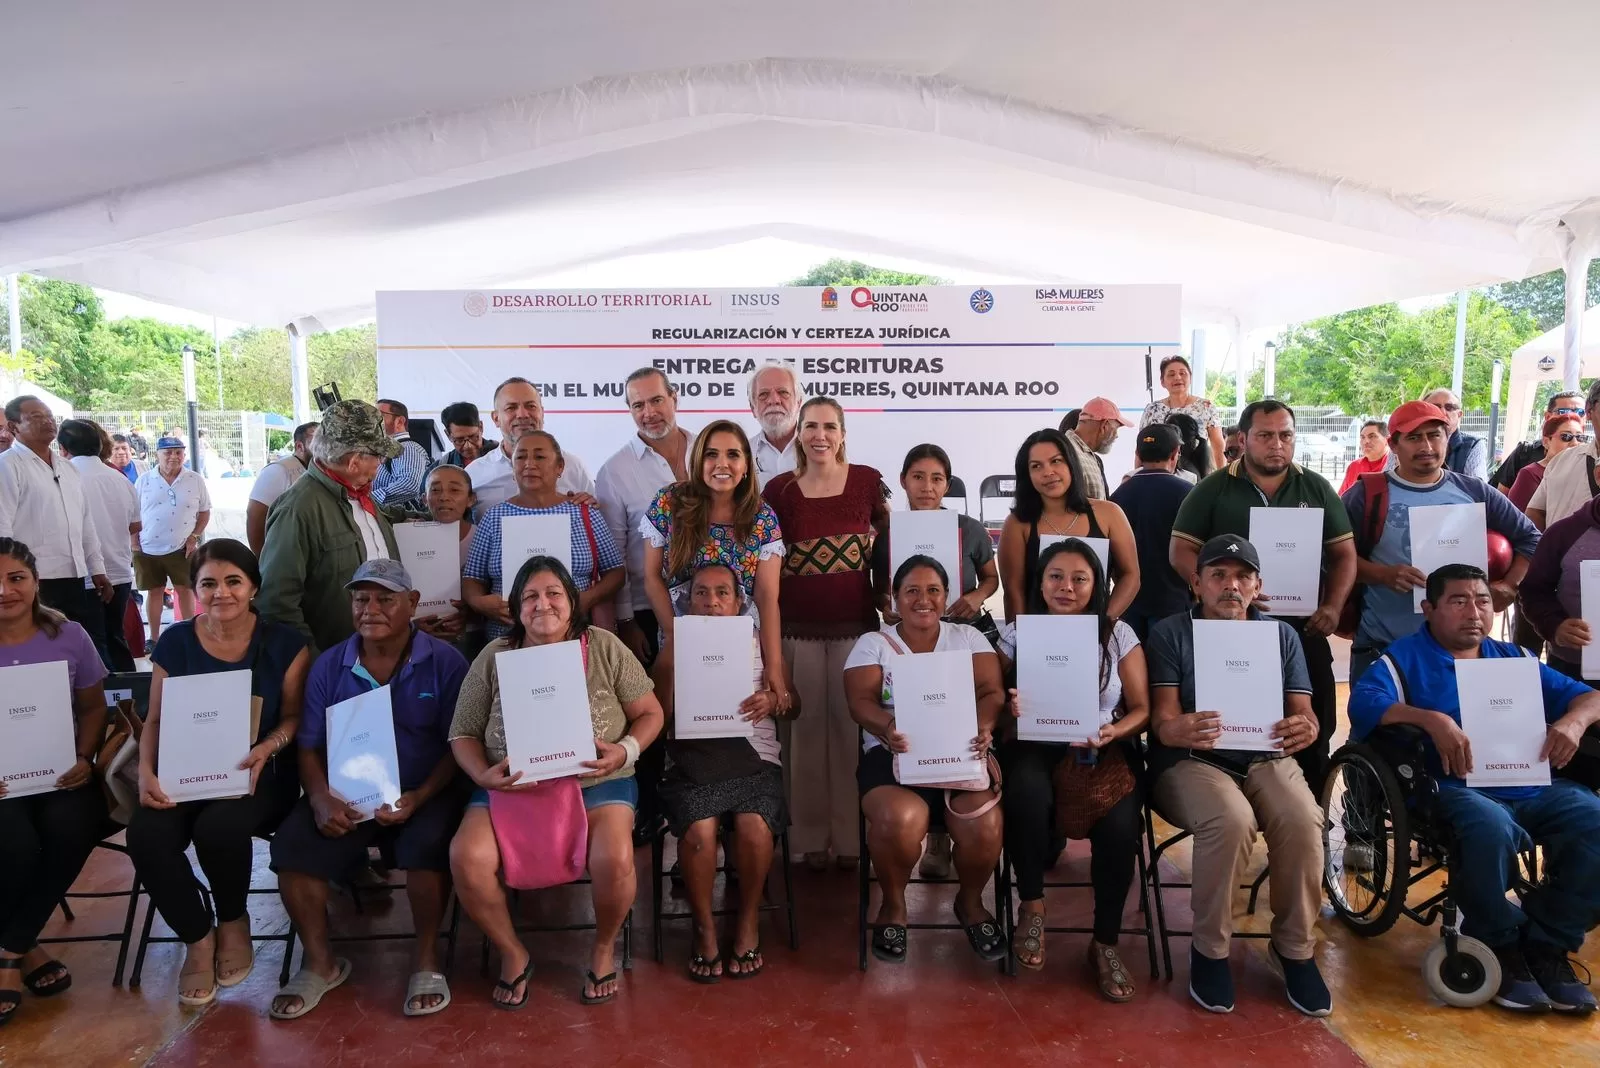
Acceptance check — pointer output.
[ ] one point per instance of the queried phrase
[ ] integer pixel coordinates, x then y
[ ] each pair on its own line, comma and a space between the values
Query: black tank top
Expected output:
1030, 564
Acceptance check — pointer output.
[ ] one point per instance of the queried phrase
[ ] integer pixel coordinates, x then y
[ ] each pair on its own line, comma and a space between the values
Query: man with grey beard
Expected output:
1098, 423
656, 455
775, 402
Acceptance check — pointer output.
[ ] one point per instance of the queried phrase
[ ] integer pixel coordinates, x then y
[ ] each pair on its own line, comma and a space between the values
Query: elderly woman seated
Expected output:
626, 717
712, 780
899, 817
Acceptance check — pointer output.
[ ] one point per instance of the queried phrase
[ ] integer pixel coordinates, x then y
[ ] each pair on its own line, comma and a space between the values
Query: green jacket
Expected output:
312, 549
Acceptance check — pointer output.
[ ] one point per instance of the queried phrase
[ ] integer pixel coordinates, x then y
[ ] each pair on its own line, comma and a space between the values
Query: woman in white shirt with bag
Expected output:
899, 817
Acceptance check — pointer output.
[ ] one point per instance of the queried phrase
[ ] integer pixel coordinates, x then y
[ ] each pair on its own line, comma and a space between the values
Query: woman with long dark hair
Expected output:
717, 516
1097, 784
545, 609
1050, 503
1176, 378
227, 635
45, 838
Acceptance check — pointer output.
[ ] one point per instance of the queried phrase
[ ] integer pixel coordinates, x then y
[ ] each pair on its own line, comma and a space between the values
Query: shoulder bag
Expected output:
542, 830
604, 614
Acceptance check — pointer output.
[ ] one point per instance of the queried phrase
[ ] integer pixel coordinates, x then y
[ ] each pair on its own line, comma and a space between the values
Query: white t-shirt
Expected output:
1123, 641
168, 510
113, 508
275, 479
874, 649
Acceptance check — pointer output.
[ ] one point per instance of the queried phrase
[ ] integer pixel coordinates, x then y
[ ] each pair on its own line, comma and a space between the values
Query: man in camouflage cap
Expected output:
326, 525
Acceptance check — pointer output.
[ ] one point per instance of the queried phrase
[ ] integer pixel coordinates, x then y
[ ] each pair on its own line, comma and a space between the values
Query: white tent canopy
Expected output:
279, 163
1540, 360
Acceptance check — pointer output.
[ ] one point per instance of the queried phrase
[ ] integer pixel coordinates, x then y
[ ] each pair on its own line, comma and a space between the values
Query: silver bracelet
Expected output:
630, 744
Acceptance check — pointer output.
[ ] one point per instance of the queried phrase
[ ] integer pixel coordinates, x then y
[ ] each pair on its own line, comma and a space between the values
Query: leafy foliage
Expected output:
1544, 296
837, 272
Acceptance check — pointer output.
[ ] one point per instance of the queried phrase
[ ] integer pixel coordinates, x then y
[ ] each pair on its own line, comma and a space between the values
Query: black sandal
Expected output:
889, 942
984, 937
60, 985
9, 999
597, 981
754, 964
525, 979
709, 977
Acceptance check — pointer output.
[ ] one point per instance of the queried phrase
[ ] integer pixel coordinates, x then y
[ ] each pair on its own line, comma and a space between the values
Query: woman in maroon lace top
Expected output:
830, 512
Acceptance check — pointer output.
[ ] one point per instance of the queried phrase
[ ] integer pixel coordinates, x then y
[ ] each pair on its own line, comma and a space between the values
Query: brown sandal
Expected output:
1113, 979
1027, 941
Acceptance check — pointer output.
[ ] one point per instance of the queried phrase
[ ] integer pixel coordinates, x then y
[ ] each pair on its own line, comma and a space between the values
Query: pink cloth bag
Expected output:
543, 830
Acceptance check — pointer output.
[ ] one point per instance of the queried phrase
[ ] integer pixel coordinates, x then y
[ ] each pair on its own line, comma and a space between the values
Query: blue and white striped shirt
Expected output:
483, 555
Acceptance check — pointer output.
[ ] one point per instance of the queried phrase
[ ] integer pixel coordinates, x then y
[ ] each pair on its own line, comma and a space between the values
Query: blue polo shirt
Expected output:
1429, 673
423, 692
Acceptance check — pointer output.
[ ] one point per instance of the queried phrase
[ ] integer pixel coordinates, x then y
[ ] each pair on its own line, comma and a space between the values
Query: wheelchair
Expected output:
1381, 836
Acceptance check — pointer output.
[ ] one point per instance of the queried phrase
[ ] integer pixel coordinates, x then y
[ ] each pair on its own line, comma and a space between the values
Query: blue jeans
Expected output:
1564, 818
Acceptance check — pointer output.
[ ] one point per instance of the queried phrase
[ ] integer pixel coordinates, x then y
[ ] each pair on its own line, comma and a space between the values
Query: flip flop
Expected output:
889, 942
309, 987
10, 1000
597, 981
748, 958
527, 985
60, 985
708, 978
423, 984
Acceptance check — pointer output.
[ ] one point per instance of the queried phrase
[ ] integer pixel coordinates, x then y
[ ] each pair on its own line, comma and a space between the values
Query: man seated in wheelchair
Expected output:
1414, 684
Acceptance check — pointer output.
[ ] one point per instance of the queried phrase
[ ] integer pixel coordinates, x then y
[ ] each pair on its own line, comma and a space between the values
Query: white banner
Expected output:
1006, 359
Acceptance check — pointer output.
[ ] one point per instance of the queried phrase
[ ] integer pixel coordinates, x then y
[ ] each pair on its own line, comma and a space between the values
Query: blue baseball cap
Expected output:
170, 443
390, 574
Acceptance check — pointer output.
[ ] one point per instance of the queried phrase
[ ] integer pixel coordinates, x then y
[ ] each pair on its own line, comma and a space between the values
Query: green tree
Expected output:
837, 272
59, 324
1544, 296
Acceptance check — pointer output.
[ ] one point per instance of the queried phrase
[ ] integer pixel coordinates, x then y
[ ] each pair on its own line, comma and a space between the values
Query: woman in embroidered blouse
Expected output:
831, 511
717, 516
1175, 379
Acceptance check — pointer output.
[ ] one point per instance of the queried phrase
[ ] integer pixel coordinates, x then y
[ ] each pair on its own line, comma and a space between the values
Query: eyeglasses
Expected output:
1449, 407
1567, 411
1569, 437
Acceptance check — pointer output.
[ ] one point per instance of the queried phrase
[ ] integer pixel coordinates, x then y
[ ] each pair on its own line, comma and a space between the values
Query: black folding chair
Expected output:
1147, 930
1156, 850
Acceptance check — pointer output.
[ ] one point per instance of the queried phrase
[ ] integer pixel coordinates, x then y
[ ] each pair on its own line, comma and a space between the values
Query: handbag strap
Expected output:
594, 545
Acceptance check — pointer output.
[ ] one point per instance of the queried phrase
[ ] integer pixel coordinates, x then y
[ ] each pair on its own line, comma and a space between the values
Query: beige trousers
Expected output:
819, 757
1225, 816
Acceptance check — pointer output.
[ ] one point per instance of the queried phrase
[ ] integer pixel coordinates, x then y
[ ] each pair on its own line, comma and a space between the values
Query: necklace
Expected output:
1070, 523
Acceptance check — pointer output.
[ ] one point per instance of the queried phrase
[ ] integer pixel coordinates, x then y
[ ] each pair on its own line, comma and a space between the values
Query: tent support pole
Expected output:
1577, 284
1459, 368
299, 375
14, 299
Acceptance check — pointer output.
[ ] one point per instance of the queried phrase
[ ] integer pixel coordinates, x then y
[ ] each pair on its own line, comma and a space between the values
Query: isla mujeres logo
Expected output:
981, 301
475, 304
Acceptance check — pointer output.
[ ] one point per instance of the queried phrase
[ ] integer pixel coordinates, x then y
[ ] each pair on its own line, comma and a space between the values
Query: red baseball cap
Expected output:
1413, 414
1103, 408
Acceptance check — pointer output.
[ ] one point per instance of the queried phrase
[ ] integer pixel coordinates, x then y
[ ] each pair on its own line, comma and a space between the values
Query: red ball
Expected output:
1499, 556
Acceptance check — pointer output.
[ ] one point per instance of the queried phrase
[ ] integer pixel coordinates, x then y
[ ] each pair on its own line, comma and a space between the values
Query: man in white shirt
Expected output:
42, 505
656, 456
518, 409
1570, 479
775, 402
114, 511
271, 483
174, 507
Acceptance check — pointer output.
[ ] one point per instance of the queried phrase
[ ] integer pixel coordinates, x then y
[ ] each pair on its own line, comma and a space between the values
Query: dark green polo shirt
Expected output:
1221, 504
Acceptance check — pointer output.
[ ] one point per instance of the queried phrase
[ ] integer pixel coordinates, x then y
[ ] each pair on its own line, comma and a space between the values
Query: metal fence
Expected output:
240, 437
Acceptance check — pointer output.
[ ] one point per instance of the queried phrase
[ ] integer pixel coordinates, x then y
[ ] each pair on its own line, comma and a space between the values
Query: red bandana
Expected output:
362, 496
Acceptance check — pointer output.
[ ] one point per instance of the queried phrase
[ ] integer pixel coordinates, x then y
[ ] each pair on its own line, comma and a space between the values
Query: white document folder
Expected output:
936, 708
38, 736
935, 533
713, 673
1502, 714
544, 700
205, 733
363, 761
1447, 534
1238, 671
431, 553
525, 536
1289, 541
1058, 678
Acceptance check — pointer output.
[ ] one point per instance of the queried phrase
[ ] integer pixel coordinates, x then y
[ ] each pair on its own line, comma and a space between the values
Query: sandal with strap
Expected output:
889, 942
751, 964
984, 936
1027, 941
513, 1003
9, 999
597, 981
207, 968
1110, 974
59, 984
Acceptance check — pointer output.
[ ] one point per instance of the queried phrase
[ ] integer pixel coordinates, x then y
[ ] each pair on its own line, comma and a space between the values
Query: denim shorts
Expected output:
611, 792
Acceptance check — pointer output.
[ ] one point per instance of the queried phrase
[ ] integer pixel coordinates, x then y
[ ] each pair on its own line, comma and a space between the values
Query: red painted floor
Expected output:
942, 1007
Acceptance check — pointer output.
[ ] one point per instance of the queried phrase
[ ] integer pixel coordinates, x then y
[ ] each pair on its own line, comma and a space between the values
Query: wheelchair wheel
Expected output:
1466, 978
1366, 841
